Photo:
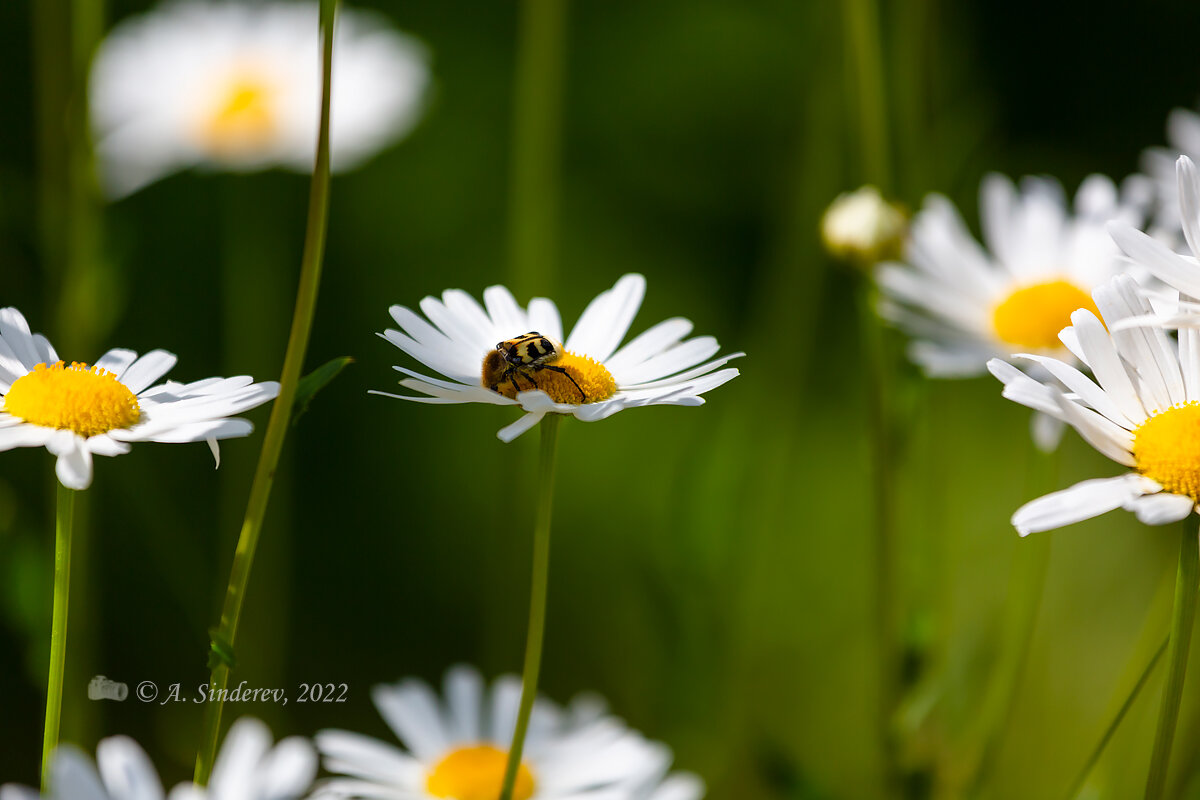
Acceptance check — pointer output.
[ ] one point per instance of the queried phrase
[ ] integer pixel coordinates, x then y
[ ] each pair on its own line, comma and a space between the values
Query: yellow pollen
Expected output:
1033, 315
592, 380
243, 120
87, 401
476, 773
1167, 449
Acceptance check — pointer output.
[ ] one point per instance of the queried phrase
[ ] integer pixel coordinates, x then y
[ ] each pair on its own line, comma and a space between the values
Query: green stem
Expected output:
1114, 723
883, 483
1027, 579
277, 426
537, 599
58, 631
1182, 617
536, 144
866, 50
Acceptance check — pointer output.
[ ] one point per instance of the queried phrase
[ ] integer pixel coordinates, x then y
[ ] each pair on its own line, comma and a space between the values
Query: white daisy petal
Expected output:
410, 709
117, 361
1102, 357
126, 770
246, 768
363, 757
289, 769
245, 747
105, 445
147, 369
1100, 432
1164, 263
544, 318
1188, 180
673, 360
1082, 501
1079, 383
189, 432
505, 313
1161, 508
650, 343
1047, 431
606, 320
74, 465
464, 698
14, 330
24, 435
11, 792
683, 786
512, 431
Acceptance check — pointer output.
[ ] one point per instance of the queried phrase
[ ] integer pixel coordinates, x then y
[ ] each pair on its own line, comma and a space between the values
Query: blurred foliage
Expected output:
711, 569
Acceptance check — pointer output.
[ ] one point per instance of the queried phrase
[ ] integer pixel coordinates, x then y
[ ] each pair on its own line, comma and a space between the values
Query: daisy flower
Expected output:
1142, 410
457, 748
249, 767
964, 304
237, 86
587, 377
76, 411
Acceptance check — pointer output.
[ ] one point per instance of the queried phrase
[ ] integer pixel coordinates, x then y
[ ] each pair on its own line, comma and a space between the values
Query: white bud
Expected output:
861, 226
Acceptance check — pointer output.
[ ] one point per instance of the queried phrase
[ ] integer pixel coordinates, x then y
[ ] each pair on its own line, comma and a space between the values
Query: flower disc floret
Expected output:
245, 120
476, 773
1032, 316
1167, 449
592, 380
86, 400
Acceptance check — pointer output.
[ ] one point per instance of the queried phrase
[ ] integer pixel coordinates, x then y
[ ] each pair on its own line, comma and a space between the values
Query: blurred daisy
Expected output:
862, 227
237, 86
964, 304
247, 768
76, 411
1183, 138
1178, 272
1142, 410
589, 377
458, 749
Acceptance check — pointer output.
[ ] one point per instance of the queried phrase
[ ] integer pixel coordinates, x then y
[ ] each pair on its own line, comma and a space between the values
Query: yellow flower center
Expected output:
476, 773
581, 380
87, 401
243, 119
1167, 449
1033, 315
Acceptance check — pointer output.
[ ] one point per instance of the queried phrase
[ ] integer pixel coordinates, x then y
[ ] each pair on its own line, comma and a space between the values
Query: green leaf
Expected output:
314, 382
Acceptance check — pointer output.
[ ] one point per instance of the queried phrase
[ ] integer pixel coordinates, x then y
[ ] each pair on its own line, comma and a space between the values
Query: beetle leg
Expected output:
560, 370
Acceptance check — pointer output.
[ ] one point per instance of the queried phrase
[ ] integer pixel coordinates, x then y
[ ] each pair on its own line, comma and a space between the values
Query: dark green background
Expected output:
711, 567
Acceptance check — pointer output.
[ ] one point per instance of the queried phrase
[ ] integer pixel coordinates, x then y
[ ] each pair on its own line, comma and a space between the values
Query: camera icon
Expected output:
101, 688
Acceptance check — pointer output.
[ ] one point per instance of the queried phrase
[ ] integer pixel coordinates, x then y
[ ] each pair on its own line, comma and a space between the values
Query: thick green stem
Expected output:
58, 630
277, 426
866, 51
536, 143
1182, 617
537, 599
880, 399
1027, 579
